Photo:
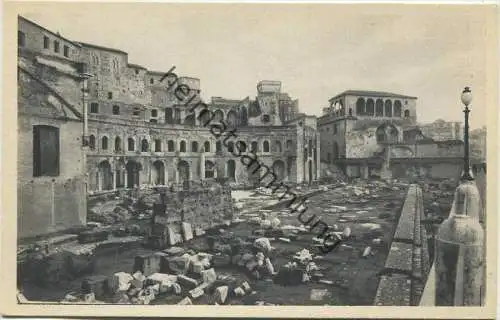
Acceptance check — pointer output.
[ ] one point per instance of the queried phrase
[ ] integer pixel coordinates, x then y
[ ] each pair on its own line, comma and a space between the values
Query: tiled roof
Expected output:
373, 94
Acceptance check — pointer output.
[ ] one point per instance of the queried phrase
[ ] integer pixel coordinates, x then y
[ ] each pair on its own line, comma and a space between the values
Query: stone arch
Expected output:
218, 116
206, 146
244, 116
104, 143
231, 169
130, 144
232, 118
158, 173
241, 145
370, 107
209, 169
407, 113
265, 146
194, 146
279, 170
387, 133
118, 144
360, 106
277, 146
184, 171
133, 169
105, 175
120, 169
182, 146
388, 108
92, 142
254, 147
397, 108
379, 108
144, 145
170, 146
157, 145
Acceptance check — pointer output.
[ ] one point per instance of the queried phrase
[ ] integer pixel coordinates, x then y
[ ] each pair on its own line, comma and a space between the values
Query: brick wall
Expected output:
407, 265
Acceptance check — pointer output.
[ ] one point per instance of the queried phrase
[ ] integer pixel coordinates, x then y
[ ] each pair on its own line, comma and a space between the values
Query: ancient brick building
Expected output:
369, 133
141, 132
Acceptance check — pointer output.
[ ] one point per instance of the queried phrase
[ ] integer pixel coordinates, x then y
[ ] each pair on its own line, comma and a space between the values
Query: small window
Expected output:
136, 111
194, 146
154, 113
45, 151
230, 146
157, 145
116, 110
92, 142
66, 51
104, 143
335, 128
182, 147
46, 42
265, 146
206, 146
56, 46
136, 71
94, 107
21, 39
265, 118
110, 95
130, 144
151, 81
170, 146
144, 145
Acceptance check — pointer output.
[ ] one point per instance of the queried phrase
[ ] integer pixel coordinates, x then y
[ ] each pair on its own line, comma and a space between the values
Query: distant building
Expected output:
371, 133
478, 143
441, 130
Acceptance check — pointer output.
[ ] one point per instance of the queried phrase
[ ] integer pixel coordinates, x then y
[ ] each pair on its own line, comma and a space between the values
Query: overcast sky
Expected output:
317, 51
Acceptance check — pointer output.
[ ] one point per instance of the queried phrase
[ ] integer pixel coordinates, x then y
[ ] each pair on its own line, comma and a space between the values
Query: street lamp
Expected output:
466, 100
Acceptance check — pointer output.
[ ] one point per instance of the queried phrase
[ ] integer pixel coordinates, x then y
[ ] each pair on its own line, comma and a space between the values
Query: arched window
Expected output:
206, 146
407, 113
379, 108
278, 146
360, 106
388, 108
369, 107
157, 145
265, 146
92, 142
130, 144
170, 146
397, 108
289, 144
218, 146
230, 146
144, 145
118, 144
104, 143
254, 147
218, 116
194, 146
182, 147
242, 146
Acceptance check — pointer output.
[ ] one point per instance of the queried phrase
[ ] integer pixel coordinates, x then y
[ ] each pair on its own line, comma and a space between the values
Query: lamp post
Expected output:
466, 100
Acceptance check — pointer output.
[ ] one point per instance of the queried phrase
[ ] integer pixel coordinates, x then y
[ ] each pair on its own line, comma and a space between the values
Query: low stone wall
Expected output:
405, 273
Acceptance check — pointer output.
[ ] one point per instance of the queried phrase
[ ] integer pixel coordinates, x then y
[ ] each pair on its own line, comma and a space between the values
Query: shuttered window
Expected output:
45, 151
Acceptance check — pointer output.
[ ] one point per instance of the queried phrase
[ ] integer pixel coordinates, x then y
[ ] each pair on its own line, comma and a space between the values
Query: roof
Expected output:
102, 48
372, 94
47, 30
132, 65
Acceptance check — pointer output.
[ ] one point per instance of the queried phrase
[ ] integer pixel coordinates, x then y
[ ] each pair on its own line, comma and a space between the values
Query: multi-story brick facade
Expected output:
369, 133
140, 132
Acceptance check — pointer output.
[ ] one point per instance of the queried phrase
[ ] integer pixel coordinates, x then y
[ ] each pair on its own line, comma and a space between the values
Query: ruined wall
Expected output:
332, 138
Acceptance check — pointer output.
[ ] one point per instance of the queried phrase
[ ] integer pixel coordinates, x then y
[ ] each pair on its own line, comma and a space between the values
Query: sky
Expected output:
315, 50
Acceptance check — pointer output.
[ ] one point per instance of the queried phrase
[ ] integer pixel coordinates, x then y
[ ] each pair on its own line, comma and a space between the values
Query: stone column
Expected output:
460, 258
99, 180
202, 165
114, 174
318, 157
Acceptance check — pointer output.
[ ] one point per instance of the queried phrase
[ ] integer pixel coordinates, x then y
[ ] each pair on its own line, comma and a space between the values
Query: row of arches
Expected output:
183, 145
232, 118
379, 108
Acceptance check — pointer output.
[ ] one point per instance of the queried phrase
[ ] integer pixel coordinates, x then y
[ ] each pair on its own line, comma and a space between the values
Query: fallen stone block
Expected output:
319, 294
176, 289
147, 264
138, 280
174, 251
329, 282
246, 287
93, 236
196, 293
185, 301
239, 292
209, 276
263, 245
179, 265
252, 264
187, 282
187, 231
221, 260
198, 232
89, 297
159, 278
284, 240
120, 281
220, 294
269, 266
366, 252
